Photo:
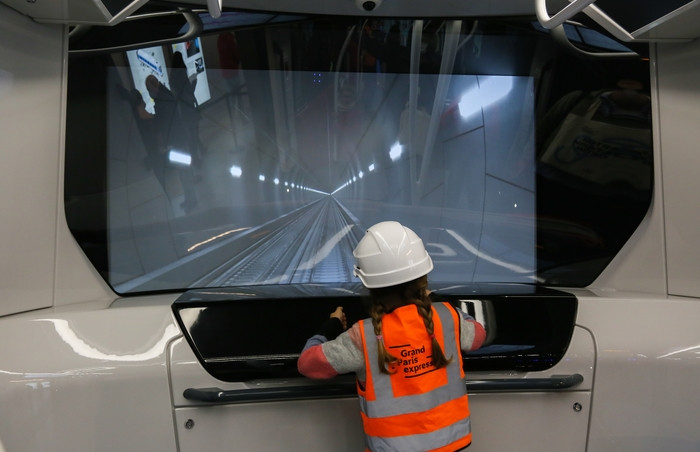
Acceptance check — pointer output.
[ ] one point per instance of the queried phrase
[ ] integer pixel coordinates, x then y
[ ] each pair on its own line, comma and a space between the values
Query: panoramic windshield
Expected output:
260, 154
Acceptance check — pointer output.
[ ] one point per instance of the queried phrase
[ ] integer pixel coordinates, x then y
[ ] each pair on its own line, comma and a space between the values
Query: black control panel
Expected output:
256, 332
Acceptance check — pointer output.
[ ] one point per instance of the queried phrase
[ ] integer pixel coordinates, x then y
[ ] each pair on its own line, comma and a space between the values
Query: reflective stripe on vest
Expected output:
398, 411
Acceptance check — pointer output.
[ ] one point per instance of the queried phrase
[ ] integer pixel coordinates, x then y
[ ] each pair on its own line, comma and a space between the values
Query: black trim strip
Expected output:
553, 383
347, 389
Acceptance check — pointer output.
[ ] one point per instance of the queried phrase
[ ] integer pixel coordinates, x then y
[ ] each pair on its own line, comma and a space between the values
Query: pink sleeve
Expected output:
355, 335
313, 363
479, 335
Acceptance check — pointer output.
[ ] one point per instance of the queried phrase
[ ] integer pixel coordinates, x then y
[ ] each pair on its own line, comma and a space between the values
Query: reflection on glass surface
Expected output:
332, 140
261, 156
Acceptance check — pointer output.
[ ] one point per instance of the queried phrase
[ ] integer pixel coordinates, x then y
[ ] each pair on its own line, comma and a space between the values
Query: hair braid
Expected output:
384, 358
424, 305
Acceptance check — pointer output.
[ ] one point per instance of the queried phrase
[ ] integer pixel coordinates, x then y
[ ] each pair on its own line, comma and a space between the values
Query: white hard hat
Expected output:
390, 254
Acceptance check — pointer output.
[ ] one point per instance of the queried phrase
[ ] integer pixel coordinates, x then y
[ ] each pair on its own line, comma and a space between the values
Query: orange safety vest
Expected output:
418, 407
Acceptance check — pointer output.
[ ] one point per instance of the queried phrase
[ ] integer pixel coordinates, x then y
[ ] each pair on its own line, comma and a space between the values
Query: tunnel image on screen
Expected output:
275, 179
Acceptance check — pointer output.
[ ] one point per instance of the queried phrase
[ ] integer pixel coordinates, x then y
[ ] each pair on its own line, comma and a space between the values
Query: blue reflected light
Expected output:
489, 90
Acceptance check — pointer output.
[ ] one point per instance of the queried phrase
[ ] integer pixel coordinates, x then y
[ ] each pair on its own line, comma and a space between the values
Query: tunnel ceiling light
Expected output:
317, 191
179, 157
261, 178
236, 171
395, 151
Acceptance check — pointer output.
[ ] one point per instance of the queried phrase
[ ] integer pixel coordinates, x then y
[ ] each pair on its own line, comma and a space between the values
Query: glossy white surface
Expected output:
535, 420
646, 393
529, 422
92, 11
640, 265
88, 380
679, 101
42, 266
500, 422
309, 425
661, 256
74, 11
30, 137
679, 24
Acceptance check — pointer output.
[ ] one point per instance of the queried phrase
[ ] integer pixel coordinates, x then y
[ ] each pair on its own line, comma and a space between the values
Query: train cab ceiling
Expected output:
627, 20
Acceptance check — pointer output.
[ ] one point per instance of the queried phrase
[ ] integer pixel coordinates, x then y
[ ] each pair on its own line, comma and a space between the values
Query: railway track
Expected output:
312, 244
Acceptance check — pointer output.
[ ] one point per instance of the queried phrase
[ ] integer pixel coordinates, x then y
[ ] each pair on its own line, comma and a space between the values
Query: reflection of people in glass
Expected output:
149, 134
372, 45
192, 47
595, 168
350, 117
413, 134
230, 61
397, 56
173, 137
183, 90
602, 137
431, 54
230, 64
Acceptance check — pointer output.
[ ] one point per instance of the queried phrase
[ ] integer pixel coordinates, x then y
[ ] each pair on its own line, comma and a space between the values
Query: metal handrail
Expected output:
569, 11
559, 34
214, 7
602, 19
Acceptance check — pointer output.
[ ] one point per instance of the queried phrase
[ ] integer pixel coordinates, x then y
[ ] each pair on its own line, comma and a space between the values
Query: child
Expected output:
406, 356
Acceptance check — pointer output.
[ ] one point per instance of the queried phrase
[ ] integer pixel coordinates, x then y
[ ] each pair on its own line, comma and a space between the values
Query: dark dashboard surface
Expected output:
254, 332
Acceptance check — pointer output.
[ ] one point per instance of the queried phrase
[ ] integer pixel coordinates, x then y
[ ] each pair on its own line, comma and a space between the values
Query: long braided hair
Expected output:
386, 299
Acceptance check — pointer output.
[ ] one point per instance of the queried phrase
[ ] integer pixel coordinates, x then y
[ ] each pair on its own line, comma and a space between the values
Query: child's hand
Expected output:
340, 315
